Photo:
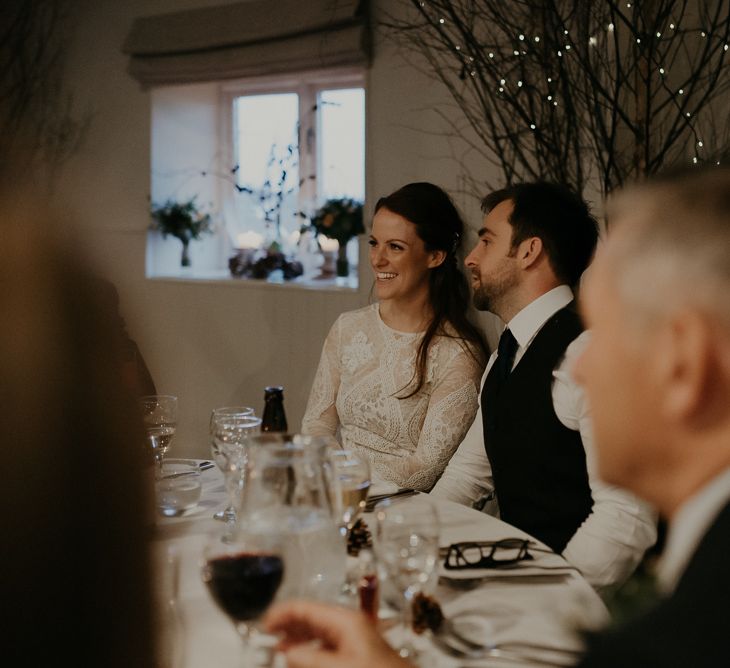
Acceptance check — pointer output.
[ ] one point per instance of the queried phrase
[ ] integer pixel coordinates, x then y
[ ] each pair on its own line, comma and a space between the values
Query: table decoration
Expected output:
340, 219
359, 537
182, 220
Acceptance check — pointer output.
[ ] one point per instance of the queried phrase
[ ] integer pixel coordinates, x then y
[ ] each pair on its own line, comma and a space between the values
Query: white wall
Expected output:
221, 343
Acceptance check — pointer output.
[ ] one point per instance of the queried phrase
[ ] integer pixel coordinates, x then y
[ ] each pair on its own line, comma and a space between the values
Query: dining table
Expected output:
532, 614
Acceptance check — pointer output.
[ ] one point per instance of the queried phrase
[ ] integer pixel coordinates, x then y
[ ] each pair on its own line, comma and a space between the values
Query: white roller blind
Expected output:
247, 39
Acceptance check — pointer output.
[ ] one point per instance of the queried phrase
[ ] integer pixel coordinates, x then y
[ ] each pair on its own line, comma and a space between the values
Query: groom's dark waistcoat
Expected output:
538, 464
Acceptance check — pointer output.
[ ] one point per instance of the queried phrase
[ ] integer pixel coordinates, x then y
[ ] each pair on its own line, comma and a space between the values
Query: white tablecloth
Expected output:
527, 605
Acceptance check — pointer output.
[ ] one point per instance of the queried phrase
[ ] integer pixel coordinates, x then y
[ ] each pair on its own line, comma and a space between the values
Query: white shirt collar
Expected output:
527, 323
689, 525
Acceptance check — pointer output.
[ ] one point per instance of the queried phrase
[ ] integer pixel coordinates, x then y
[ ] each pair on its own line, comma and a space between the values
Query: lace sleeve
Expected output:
320, 417
451, 410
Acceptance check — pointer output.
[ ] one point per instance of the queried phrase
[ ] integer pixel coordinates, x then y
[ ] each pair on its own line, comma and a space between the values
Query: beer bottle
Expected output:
274, 418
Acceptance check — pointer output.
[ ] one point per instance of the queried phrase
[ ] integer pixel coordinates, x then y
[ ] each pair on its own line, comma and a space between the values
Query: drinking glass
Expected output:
349, 482
348, 478
219, 458
408, 548
243, 574
229, 434
285, 488
159, 412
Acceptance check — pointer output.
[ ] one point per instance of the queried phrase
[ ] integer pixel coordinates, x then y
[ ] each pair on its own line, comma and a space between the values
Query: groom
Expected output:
531, 443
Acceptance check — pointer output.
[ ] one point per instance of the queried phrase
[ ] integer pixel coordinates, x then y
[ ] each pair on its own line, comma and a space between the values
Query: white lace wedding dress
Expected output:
365, 366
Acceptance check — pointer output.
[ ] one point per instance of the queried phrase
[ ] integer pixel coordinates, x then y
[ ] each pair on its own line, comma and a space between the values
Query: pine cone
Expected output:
426, 613
358, 537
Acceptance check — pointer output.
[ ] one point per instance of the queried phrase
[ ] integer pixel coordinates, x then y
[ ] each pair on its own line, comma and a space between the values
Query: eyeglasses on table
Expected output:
487, 554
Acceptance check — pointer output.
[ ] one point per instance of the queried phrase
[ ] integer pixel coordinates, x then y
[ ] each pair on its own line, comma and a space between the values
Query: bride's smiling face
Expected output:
399, 258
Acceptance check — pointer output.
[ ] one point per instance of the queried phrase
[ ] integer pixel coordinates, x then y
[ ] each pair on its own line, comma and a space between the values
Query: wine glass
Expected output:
159, 413
349, 481
219, 458
286, 488
243, 575
408, 549
230, 432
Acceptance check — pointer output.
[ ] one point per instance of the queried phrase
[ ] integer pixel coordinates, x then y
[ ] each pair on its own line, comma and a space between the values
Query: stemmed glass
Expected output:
216, 416
349, 480
230, 431
159, 412
243, 574
408, 548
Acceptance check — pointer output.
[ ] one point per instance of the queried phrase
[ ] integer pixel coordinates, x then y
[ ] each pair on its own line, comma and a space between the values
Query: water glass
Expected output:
159, 413
217, 415
229, 436
408, 550
348, 476
178, 488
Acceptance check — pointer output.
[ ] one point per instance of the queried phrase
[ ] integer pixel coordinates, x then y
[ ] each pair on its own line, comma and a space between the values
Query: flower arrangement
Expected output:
339, 219
182, 220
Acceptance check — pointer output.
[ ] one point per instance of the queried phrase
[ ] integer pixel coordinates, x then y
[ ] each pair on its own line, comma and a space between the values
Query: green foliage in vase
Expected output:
182, 220
339, 219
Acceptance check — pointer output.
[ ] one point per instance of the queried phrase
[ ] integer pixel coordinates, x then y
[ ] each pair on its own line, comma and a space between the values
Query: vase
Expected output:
185, 260
329, 262
343, 266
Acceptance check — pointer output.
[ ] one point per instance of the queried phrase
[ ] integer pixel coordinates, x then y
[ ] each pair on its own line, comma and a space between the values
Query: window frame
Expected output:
307, 86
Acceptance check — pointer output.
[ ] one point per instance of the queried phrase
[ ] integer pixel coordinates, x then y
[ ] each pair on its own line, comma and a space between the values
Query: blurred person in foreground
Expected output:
657, 372
75, 576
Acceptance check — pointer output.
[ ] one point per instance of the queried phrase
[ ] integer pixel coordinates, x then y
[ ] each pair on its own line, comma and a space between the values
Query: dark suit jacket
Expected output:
690, 628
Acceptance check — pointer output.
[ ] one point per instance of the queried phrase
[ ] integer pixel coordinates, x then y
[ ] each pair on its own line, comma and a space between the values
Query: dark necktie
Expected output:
505, 358
497, 375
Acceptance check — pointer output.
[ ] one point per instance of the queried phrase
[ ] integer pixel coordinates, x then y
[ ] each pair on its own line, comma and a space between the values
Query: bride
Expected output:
399, 379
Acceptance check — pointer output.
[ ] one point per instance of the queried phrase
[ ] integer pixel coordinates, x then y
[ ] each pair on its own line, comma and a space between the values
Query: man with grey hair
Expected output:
657, 372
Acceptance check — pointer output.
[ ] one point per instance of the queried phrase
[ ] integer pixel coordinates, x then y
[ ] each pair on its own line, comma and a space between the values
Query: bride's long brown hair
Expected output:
440, 227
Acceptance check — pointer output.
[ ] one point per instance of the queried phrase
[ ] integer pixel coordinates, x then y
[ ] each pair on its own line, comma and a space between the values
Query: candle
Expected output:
249, 239
327, 244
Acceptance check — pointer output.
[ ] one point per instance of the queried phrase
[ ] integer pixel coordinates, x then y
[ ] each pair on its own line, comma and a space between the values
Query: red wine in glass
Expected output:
244, 585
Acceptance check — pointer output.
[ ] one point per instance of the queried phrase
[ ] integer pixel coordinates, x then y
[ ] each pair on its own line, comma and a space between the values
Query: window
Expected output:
260, 155
294, 143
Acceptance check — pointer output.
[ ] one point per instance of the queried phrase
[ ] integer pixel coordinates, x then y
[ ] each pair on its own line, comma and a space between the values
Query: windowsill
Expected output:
223, 277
